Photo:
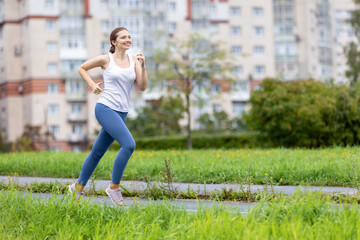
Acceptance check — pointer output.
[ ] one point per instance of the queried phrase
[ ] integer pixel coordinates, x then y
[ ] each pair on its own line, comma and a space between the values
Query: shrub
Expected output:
307, 113
244, 140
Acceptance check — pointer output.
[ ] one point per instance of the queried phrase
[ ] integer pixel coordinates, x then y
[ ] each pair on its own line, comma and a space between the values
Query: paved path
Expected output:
189, 205
200, 188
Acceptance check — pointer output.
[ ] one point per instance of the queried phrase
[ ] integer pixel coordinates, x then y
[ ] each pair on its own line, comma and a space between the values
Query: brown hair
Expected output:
113, 36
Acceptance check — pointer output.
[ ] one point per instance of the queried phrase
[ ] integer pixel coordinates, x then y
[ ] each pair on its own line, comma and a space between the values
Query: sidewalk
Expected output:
199, 188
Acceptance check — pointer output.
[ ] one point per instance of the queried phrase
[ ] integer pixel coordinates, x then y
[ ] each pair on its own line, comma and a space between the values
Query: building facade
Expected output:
343, 34
43, 42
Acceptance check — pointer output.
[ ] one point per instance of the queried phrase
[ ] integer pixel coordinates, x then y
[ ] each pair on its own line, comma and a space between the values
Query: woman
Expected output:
121, 72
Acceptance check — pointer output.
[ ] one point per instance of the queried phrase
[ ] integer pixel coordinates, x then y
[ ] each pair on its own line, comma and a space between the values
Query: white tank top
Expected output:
118, 83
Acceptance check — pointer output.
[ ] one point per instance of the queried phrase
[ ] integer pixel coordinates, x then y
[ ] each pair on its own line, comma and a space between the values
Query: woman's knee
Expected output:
131, 145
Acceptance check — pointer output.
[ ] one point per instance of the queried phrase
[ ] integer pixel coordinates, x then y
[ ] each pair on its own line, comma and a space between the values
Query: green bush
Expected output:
306, 113
245, 140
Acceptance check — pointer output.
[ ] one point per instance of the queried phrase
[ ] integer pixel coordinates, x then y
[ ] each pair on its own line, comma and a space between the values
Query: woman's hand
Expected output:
141, 58
96, 88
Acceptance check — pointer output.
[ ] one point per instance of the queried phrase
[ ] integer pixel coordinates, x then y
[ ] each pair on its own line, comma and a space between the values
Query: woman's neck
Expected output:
120, 54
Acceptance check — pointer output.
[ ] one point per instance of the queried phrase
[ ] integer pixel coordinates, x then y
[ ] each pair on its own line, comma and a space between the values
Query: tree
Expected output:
2, 144
206, 123
352, 52
32, 135
222, 122
188, 63
219, 122
161, 118
306, 113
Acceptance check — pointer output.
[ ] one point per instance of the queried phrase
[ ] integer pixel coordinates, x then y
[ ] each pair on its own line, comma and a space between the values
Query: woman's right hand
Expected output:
96, 88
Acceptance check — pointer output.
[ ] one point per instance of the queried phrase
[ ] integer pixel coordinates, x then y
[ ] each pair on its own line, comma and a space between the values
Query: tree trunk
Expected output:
189, 141
187, 94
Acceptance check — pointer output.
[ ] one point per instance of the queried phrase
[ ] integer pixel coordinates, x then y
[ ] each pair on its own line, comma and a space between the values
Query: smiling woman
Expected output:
121, 72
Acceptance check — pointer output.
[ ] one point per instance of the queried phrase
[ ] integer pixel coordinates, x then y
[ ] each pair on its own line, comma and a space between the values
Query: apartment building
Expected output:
240, 26
343, 35
303, 39
42, 43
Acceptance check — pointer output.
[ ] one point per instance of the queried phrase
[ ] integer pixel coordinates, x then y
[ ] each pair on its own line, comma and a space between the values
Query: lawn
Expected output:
300, 216
324, 167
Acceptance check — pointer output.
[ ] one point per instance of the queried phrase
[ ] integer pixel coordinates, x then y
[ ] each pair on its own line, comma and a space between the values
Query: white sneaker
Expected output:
72, 189
115, 196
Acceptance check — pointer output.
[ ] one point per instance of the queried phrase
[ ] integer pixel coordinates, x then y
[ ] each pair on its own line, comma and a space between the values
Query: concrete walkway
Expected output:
199, 188
189, 205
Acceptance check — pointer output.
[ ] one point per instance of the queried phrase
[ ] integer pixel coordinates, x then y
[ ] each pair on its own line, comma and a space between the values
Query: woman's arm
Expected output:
99, 61
140, 70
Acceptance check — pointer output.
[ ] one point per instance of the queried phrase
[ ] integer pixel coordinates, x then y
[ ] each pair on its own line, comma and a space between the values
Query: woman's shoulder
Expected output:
104, 59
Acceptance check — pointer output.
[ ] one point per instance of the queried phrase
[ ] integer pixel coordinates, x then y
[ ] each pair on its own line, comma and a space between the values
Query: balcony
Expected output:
76, 90
70, 75
76, 96
78, 137
77, 117
239, 95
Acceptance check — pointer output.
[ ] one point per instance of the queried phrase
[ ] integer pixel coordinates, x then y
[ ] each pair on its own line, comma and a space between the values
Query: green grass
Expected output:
331, 167
301, 216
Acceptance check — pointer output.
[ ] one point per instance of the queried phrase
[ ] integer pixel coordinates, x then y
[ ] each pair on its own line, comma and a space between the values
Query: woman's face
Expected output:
123, 40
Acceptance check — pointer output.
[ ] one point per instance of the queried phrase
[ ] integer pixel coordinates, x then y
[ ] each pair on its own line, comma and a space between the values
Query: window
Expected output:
53, 109
105, 46
73, 4
51, 47
217, 107
214, 28
323, 70
77, 86
77, 149
104, 26
126, 3
52, 88
172, 6
236, 50
258, 31
49, 4
235, 11
259, 70
76, 108
50, 25
238, 109
54, 130
213, 10
238, 70
77, 129
55, 148
235, 30
172, 27
216, 88
104, 5
52, 68
258, 11
70, 65
259, 50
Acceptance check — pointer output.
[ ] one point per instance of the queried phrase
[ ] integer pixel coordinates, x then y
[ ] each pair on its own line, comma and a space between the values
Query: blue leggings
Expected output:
113, 128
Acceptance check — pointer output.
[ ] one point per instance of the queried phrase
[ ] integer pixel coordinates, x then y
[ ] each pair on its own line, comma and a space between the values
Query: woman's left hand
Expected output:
141, 58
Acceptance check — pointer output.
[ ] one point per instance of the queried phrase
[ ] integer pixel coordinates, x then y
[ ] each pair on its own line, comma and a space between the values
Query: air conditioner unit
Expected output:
17, 51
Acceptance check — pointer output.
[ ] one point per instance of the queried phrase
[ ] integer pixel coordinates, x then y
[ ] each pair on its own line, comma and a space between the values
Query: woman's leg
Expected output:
114, 124
101, 145
128, 145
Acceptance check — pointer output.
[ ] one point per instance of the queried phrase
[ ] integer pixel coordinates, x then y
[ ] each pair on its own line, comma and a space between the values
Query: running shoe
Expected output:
115, 196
